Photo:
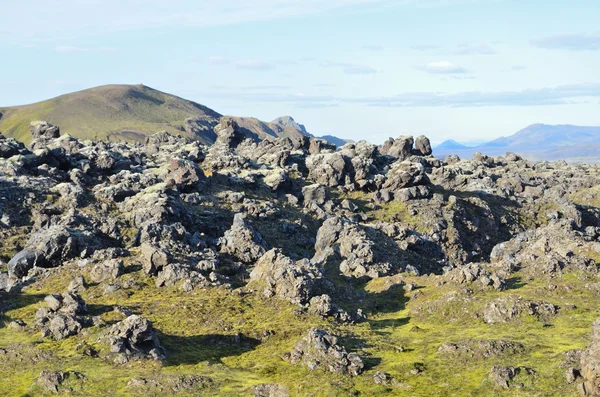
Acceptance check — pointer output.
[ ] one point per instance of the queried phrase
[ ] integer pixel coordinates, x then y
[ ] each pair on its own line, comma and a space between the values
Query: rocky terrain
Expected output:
289, 267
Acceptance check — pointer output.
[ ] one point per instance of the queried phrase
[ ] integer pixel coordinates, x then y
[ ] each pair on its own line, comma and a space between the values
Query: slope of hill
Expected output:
539, 142
128, 112
289, 122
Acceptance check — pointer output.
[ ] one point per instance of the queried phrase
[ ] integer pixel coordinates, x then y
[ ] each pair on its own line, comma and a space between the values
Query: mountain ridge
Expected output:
538, 142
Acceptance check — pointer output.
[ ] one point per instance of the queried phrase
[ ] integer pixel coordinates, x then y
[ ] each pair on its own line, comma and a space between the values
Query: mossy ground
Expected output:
196, 329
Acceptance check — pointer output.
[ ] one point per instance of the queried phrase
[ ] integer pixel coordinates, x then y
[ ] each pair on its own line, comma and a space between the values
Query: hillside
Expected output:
128, 112
289, 122
538, 142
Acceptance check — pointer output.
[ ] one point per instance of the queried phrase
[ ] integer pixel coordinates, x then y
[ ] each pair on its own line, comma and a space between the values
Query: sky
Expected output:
469, 70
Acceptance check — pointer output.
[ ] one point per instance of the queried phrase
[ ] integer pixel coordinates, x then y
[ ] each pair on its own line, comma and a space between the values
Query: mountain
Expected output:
128, 112
258, 129
539, 142
450, 145
289, 122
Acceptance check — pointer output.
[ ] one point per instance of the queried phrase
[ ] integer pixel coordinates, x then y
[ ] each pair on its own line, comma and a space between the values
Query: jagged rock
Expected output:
340, 238
383, 196
153, 259
270, 390
134, 337
405, 174
385, 379
228, 133
400, 148
25, 260
44, 130
318, 349
160, 384
62, 317
480, 349
315, 194
77, 285
326, 168
106, 270
185, 173
317, 146
242, 241
422, 145
59, 243
502, 375
52, 381
154, 205
590, 364
503, 310
285, 278
474, 272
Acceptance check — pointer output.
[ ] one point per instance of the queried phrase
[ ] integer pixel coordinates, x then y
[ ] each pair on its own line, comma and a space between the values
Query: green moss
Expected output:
197, 330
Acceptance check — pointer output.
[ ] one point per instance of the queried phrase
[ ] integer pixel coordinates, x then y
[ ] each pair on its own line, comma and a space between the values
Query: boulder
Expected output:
400, 148
25, 260
153, 259
43, 130
134, 337
423, 146
318, 349
62, 317
107, 270
315, 194
500, 376
590, 364
270, 390
326, 168
184, 173
285, 278
242, 241
53, 380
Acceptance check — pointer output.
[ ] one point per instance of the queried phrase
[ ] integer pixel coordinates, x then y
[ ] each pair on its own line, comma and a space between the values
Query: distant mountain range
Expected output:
536, 142
132, 112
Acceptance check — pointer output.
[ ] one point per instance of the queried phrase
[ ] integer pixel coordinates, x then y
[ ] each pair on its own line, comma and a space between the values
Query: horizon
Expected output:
470, 144
365, 69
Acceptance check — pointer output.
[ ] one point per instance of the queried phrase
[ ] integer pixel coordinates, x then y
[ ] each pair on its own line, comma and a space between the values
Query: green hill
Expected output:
128, 112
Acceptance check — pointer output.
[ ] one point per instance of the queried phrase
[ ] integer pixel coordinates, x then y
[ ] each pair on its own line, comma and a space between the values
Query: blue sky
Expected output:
469, 70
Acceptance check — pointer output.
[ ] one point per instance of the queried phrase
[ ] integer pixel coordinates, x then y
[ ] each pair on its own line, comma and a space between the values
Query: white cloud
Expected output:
372, 47
443, 67
570, 42
350, 68
217, 60
475, 49
76, 18
249, 64
424, 47
559, 95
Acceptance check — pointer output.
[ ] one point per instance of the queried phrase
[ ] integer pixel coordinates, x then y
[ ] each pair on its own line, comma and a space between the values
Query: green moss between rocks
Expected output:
195, 328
